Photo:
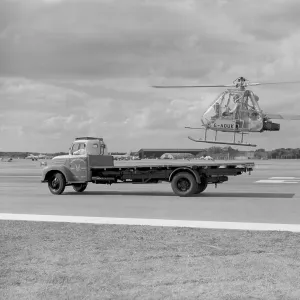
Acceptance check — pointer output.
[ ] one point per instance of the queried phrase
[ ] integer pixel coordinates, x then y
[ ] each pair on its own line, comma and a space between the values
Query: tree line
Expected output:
281, 153
25, 154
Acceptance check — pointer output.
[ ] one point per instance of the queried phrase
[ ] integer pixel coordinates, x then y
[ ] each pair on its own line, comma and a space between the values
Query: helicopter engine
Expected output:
270, 126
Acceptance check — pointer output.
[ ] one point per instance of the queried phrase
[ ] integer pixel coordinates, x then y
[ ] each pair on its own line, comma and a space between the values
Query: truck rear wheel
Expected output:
79, 187
184, 184
57, 183
201, 186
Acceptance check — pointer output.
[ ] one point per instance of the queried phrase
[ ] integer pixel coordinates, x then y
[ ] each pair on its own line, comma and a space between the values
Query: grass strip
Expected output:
41, 260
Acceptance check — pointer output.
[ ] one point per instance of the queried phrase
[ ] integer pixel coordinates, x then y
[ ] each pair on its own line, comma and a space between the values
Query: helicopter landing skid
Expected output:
221, 143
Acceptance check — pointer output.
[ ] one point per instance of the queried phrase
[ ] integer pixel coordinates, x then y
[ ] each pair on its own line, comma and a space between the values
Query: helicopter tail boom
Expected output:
283, 117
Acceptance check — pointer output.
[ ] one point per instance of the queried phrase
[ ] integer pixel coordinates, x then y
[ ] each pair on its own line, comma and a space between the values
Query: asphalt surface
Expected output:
260, 197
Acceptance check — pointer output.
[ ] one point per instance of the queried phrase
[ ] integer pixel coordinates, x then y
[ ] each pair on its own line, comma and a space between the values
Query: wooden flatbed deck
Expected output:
155, 163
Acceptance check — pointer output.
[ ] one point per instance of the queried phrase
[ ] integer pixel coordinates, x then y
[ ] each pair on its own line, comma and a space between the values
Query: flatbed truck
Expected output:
88, 161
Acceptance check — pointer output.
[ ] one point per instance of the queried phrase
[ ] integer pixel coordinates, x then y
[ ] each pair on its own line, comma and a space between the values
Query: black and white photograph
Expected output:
150, 149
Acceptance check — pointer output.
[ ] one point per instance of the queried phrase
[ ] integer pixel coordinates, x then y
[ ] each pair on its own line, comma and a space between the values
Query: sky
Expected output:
72, 68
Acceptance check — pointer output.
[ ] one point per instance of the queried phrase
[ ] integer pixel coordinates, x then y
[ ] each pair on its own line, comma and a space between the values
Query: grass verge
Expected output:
42, 260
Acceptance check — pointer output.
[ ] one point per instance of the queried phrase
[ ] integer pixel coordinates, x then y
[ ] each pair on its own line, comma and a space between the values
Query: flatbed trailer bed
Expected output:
186, 177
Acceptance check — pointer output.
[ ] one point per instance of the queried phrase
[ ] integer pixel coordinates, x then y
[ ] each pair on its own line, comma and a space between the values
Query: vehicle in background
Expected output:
208, 158
32, 157
122, 156
36, 157
6, 159
135, 157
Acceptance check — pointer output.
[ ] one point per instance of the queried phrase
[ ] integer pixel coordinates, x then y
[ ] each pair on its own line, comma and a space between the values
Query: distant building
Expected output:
177, 156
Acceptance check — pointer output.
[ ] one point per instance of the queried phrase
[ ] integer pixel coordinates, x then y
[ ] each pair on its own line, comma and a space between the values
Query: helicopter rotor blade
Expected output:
265, 83
192, 86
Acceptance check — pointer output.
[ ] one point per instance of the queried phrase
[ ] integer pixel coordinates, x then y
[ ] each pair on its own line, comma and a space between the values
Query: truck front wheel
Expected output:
57, 183
79, 187
184, 184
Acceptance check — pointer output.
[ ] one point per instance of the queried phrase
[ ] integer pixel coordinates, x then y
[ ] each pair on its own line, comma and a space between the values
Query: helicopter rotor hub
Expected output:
241, 82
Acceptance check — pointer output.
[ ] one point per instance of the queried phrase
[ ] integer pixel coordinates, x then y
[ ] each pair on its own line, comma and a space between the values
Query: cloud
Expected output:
116, 39
273, 21
42, 112
86, 67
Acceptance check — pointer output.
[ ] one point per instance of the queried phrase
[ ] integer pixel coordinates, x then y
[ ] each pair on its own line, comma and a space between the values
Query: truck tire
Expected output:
57, 183
79, 187
201, 186
184, 184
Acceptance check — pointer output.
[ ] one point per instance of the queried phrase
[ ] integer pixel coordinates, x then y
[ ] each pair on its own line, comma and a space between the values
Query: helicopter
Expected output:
236, 111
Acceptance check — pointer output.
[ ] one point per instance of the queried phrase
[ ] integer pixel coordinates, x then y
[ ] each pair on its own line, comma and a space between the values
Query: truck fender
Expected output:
186, 169
53, 169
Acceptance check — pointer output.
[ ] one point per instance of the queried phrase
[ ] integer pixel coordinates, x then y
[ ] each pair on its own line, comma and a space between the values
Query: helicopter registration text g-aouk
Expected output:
88, 161
237, 111
225, 125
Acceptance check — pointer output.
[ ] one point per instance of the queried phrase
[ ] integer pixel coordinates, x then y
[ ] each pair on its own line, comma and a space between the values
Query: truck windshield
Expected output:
78, 148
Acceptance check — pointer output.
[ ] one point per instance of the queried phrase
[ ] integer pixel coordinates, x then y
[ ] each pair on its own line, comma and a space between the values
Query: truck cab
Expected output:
74, 167
89, 145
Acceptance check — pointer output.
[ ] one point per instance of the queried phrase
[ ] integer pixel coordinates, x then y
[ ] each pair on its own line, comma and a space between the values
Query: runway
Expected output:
271, 194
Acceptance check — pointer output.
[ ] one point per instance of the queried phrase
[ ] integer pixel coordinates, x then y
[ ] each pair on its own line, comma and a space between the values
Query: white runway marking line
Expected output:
280, 180
152, 222
296, 178
20, 176
276, 181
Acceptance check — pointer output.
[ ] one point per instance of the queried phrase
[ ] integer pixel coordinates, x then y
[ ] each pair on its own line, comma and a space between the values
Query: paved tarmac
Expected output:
271, 194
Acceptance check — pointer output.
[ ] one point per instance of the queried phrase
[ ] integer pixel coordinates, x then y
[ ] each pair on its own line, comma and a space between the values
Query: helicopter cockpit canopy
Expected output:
234, 110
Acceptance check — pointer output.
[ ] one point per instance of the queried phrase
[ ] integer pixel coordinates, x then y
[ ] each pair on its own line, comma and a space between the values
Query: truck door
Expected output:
78, 162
